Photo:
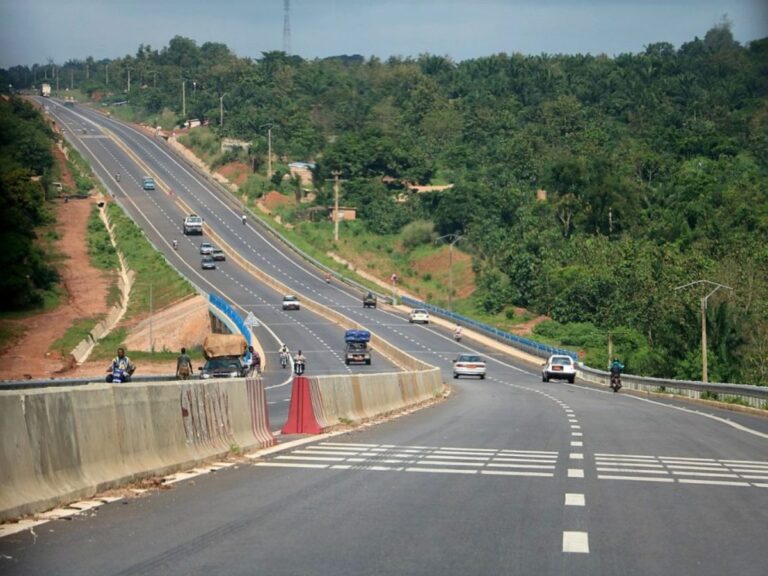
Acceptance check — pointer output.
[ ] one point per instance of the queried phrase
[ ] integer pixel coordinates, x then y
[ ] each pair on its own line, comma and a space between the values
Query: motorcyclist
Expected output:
457, 332
284, 354
244, 218
251, 362
123, 363
117, 176
615, 369
299, 358
175, 244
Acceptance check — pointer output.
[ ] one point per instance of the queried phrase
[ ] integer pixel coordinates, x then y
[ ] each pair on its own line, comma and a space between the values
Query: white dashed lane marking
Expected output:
576, 542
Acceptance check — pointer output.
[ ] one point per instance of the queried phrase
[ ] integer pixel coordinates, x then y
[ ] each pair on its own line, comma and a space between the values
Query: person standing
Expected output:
183, 365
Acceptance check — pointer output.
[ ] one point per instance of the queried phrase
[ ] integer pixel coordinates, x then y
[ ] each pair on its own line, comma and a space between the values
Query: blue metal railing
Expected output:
232, 314
531, 346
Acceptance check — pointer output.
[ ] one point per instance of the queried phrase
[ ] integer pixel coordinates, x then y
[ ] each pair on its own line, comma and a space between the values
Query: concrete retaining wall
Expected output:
363, 396
62, 444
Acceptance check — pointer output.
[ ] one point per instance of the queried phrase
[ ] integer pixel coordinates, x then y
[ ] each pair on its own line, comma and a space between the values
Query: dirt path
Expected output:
85, 296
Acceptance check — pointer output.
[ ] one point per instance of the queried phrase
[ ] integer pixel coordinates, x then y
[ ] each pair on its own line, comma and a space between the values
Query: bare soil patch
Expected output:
274, 199
235, 172
85, 295
438, 264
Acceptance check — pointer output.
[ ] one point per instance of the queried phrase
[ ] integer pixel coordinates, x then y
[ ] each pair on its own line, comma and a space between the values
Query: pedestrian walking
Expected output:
183, 365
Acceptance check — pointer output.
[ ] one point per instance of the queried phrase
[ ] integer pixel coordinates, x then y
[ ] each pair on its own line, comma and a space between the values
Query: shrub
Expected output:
417, 233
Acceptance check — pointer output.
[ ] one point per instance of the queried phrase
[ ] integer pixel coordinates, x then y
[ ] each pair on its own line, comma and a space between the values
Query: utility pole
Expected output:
106, 67
221, 110
129, 81
336, 174
71, 79
268, 126
183, 98
704, 375
455, 238
151, 336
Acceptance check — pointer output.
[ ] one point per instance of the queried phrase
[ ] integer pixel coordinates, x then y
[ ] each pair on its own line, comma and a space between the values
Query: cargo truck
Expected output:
224, 355
357, 350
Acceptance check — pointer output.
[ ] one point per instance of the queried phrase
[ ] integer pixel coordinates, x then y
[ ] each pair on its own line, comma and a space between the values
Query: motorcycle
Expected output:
327, 278
457, 336
615, 382
283, 360
175, 244
117, 176
118, 376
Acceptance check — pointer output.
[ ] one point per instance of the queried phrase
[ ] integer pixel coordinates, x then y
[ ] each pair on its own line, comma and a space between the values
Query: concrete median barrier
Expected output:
361, 397
69, 443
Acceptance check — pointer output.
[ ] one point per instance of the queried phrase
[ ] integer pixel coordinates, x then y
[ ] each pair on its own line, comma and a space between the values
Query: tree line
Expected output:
26, 161
587, 187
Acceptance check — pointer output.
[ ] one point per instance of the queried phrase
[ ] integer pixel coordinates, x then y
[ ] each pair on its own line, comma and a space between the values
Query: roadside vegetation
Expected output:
156, 286
29, 278
585, 188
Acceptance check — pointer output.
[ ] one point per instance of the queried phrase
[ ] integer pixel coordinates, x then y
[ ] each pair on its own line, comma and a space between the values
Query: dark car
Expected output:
369, 300
223, 367
208, 263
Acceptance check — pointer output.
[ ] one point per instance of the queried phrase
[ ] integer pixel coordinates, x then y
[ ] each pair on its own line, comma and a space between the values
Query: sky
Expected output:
36, 31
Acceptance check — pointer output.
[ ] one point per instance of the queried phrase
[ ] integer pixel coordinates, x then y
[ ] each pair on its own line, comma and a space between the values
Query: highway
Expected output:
509, 475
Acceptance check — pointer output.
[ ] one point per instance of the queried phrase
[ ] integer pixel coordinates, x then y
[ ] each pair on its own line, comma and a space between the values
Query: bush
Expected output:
417, 233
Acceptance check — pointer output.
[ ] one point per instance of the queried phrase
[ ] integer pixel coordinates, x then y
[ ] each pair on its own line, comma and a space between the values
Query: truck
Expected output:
45, 90
224, 355
369, 300
356, 349
193, 224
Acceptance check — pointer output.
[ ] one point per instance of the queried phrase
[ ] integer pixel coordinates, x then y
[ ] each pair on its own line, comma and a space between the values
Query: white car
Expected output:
418, 315
290, 302
559, 367
206, 248
469, 365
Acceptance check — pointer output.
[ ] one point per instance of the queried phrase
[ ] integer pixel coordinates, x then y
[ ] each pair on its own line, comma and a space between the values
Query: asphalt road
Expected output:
509, 475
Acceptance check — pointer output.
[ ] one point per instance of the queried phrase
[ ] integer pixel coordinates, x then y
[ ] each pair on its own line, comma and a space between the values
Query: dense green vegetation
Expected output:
26, 160
654, 166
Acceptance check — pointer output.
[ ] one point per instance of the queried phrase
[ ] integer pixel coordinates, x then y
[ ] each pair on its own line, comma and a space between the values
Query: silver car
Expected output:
469, 365
208, 263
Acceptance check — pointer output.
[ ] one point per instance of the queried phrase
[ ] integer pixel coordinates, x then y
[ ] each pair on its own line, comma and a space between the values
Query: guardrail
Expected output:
232, 314
754, 396
530, 346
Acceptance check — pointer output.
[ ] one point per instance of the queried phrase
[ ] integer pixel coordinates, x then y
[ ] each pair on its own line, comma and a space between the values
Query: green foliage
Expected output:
654, 166
74, 335
25, 159
103, 255
157, 284
417, 233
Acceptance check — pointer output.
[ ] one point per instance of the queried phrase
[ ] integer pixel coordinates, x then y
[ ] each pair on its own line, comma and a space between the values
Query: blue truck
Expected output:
357, 350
